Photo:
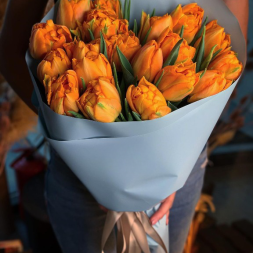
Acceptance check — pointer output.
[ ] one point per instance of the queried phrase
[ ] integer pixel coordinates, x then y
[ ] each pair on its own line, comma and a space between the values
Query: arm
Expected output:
20, 16
241, 10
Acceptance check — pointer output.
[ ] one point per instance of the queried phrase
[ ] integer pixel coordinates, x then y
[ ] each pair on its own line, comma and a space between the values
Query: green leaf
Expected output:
76, 33
135, 30
122, 117
146, 37
125, 9
91, 34
201, 51
135, 82
120, 4
103, 49
216, 53
153, 13
122, 87
129, 115
76, 115
173, 54
160, 78
128, 73
196, 54
129, 10
117, 120
208, 59
199, 33
136, 116
115, 75
124, 61
177, 103
84, 85
203, 73
182, 32
172, 107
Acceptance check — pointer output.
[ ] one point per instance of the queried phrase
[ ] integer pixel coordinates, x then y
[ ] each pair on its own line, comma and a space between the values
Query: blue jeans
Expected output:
78, 221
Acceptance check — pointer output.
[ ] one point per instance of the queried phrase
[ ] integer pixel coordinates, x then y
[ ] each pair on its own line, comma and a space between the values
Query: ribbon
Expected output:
133, 228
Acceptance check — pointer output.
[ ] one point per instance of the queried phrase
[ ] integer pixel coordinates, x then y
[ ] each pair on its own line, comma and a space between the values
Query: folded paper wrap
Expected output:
132, 166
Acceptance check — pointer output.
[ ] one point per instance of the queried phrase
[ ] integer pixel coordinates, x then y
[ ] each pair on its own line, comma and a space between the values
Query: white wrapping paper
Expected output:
132, 166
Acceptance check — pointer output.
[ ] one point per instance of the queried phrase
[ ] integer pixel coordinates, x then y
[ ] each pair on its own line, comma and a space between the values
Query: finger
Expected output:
160, 213
167, 217
166, 204
103, 208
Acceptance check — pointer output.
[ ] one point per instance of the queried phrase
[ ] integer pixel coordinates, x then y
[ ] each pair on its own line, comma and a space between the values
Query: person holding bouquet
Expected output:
76, 217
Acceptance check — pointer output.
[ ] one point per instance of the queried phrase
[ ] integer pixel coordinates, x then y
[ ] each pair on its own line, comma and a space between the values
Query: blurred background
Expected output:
223, 220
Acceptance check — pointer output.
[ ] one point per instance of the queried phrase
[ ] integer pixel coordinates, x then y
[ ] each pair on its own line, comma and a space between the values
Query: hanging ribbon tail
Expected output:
111, 220
133, 228
151, 231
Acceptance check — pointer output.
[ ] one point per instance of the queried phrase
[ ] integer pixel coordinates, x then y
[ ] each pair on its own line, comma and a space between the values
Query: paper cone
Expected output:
132, 166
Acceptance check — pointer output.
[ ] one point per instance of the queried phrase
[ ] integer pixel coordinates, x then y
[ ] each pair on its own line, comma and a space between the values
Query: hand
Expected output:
103, 208
164, 209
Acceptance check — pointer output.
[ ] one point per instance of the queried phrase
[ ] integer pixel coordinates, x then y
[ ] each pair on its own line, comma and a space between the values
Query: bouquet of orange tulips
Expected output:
136, 89
130, 75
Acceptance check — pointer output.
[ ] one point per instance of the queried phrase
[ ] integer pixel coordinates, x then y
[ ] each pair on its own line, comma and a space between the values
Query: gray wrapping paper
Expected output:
132, 166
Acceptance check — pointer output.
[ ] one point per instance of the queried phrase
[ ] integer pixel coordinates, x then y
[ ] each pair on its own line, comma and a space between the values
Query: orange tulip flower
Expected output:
147, 100
168, 40
55, 63
215, 35
228, 63
92, 66
157, 23
101, 101
76, 49
62, 93
148, 61
70, 11
105, 21
190, 16
178, 81
128, 44
46, 37
211, 83
109, 4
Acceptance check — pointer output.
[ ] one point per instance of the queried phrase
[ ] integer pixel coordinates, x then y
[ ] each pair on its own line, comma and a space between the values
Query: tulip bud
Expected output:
55, 63
71, 11
105, 21
148, 61
178, 81
92, 66
100, 101
76, 49
128, 44
62, 93
215, 35
212, 82
168, 40
228, 63
46, 37
190, 16
157, 23
147, 100
109, 4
